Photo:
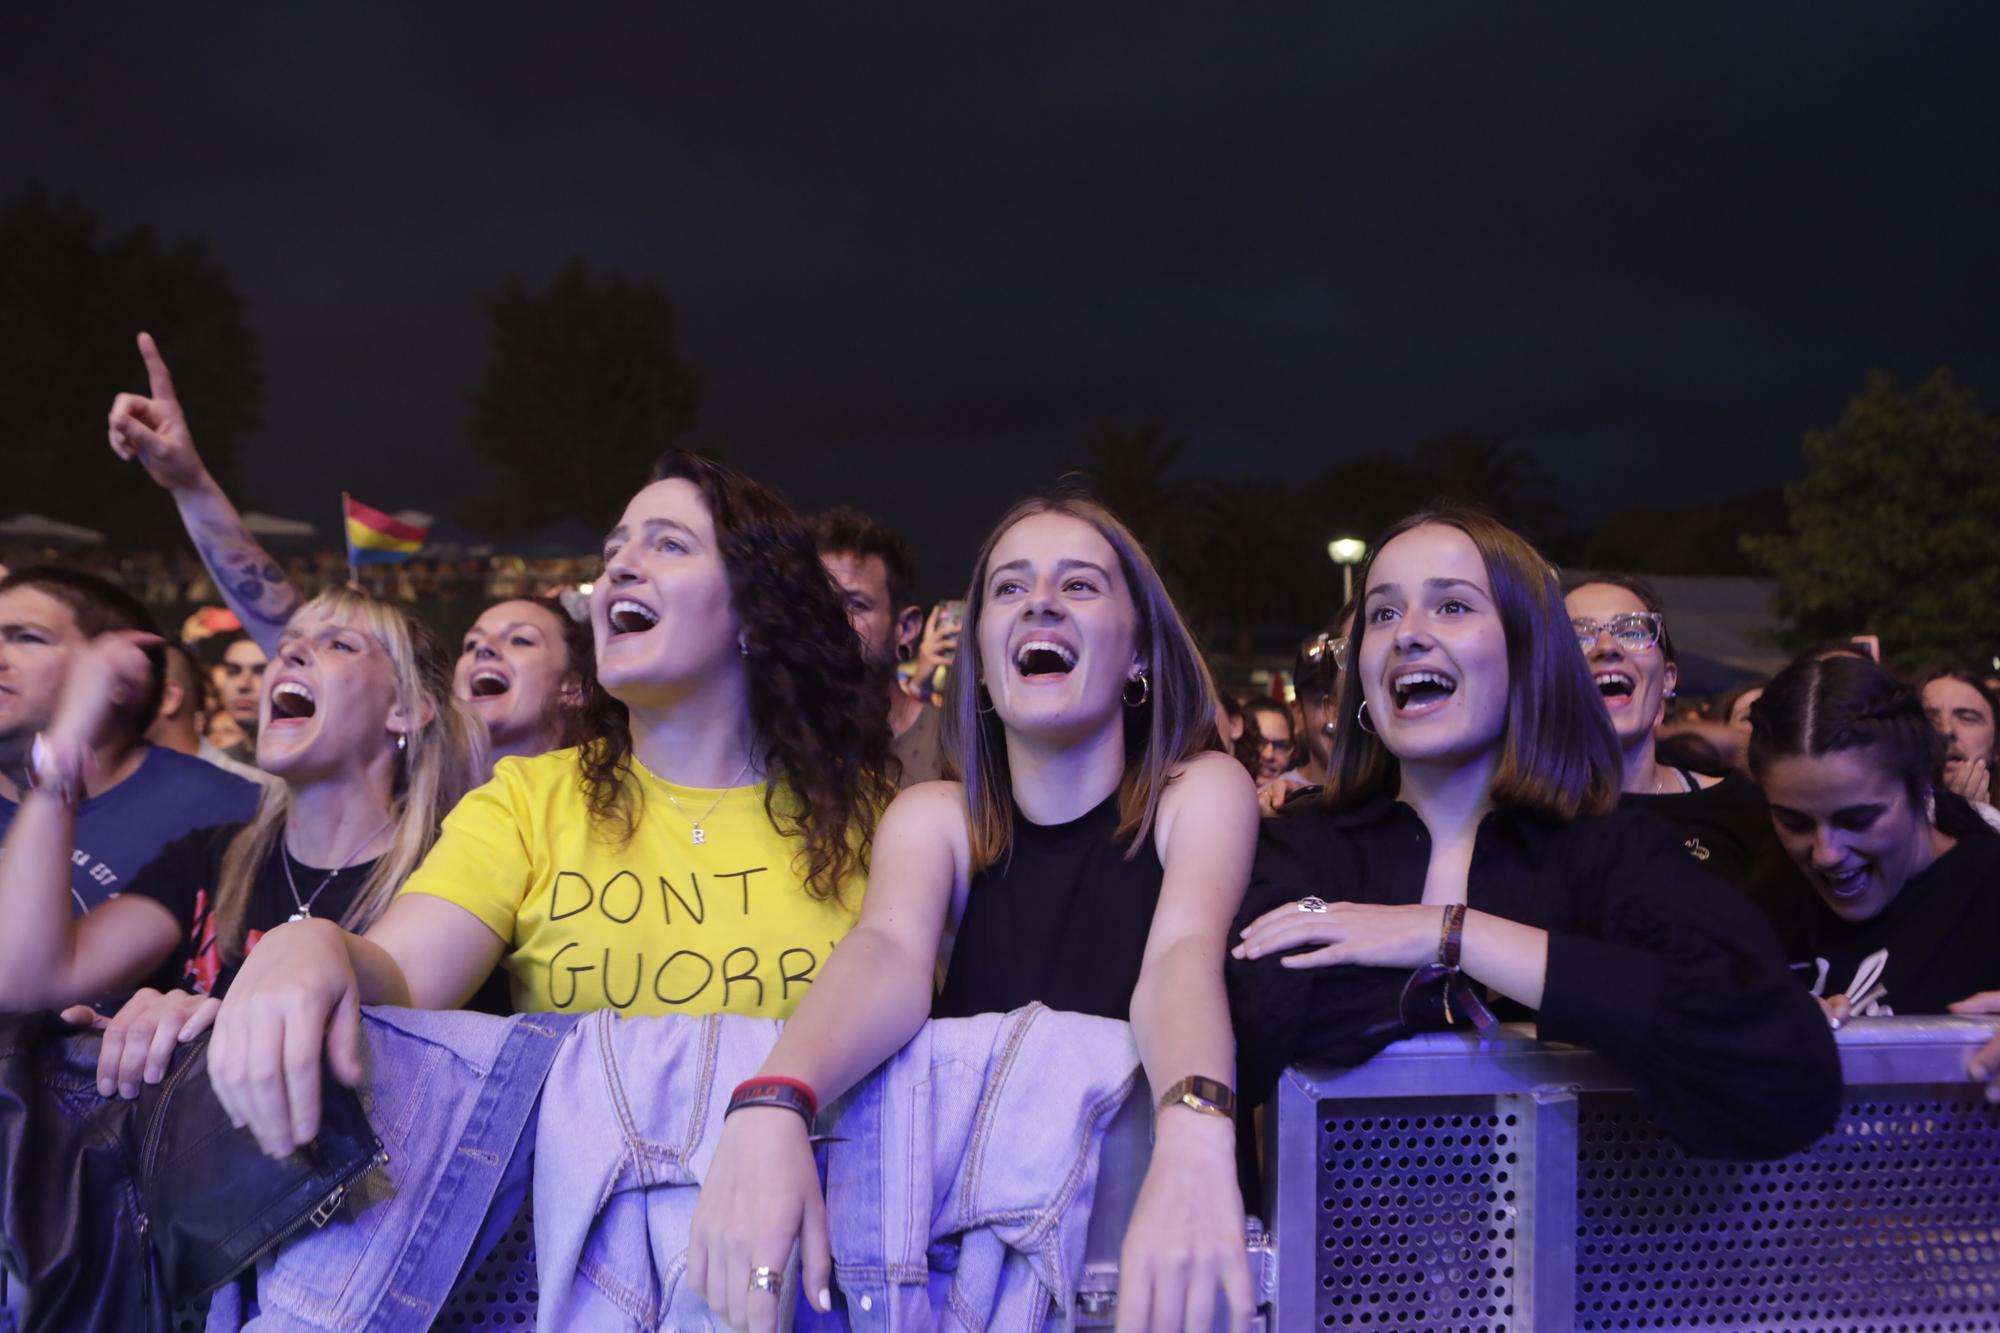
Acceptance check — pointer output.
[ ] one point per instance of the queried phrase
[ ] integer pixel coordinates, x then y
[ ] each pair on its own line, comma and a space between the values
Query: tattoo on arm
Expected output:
251, 582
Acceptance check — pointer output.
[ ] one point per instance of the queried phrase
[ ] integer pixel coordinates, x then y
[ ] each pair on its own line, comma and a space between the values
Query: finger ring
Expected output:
1312, 902
764, 1278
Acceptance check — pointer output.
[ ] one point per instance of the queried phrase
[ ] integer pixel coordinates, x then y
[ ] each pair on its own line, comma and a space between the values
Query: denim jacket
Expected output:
975, 1150
452, 1096
959, 1181
972, 1151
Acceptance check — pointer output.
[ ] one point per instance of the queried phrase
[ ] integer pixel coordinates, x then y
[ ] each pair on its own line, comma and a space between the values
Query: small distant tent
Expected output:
274, 526
38, 530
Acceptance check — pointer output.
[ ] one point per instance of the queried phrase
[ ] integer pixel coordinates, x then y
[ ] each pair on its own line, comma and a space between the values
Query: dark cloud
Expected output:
921, 254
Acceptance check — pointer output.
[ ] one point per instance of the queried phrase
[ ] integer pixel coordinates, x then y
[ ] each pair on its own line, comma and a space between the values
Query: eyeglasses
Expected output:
1270, 743
1635, 631
1327, 646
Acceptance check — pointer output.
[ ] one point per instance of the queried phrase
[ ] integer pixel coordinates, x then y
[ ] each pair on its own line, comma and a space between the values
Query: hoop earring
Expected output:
987, 706
1145, 691
1361, 719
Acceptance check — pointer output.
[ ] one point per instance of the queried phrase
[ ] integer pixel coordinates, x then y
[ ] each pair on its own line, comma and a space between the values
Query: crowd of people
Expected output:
755, 778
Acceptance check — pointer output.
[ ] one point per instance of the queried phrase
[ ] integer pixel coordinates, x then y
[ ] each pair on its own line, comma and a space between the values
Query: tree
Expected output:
69, 307
1895, 529
1487, 472
583, 388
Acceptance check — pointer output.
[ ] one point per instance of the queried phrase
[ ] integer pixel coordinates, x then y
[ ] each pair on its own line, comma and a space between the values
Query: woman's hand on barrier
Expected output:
1367, 934
139, 1040
1185, 1240
295, 996
760, 1195
152, 427
1985, 1065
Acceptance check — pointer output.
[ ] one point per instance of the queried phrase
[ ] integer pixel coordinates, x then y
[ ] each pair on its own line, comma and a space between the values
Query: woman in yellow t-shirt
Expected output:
699, 853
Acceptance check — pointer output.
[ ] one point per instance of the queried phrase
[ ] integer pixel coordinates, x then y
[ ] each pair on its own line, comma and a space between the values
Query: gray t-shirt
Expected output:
917, 749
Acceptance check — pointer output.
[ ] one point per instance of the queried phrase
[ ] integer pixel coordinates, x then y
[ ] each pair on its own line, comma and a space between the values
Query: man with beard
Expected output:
872, 566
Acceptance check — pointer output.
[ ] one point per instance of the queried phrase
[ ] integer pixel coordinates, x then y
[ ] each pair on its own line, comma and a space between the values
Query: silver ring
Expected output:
764, 1278
1313, 903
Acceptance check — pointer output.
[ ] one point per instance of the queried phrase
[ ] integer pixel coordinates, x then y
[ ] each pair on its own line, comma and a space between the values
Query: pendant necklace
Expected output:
699, 836
304, 905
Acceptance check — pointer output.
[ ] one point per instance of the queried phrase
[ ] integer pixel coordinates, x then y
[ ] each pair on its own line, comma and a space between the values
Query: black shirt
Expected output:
182, 879
1942, 934
1725, 829
1671, 975
1062, 920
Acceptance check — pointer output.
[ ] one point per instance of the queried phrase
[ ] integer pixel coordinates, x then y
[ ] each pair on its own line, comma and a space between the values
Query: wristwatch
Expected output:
1207, 1095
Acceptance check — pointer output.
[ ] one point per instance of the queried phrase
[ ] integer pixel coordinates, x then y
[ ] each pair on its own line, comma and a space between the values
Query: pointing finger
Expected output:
156, 369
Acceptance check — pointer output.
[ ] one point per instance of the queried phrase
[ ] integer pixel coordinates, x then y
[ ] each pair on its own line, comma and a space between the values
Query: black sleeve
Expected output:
1338, 1016
184, 870
1679, 981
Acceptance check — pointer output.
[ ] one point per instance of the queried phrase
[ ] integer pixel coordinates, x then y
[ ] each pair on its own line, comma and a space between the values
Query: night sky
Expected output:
921, 255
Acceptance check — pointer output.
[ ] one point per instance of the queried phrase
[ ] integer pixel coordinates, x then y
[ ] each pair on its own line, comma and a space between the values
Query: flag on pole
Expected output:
374, 538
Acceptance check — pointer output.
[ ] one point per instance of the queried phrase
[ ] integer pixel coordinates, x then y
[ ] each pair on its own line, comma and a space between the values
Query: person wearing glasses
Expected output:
1275, 745
1720, 817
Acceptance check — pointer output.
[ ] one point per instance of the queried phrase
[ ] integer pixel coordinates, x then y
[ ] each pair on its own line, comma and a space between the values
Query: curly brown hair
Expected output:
816, 709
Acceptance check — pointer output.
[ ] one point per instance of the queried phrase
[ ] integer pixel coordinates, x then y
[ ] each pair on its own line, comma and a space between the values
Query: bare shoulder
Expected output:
1209, 776
926, 811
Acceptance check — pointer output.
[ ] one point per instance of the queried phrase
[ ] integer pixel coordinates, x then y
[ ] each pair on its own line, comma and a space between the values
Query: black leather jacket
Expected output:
115, 1212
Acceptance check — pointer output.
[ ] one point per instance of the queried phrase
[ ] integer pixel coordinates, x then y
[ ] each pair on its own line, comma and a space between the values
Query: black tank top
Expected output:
1063, 921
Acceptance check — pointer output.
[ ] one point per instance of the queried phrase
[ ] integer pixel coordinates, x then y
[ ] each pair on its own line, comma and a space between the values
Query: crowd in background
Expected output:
1480, 798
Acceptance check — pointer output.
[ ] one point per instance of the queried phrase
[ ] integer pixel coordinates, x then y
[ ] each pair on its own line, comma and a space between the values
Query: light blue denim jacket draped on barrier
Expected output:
452, 1097
958, 1185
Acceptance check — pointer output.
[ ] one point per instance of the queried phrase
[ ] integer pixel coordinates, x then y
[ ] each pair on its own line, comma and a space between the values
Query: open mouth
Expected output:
1615, 684
1420, 691
488, 683
1044, 657
291, 701
1845, 883
629, 617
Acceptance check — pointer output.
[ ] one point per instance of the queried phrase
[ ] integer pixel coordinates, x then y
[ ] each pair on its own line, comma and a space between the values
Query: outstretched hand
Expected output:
153, 429
1984, 1066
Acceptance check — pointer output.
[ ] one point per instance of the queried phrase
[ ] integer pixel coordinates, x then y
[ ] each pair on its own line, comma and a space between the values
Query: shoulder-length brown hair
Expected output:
821, 726
1559, 753
1174, 723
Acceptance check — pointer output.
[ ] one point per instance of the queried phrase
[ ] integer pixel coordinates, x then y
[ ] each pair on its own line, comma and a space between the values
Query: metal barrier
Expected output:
1449, 1186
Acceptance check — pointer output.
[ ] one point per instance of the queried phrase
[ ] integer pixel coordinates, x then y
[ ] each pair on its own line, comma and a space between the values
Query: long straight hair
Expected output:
1175, 723
1559, 753
445, 757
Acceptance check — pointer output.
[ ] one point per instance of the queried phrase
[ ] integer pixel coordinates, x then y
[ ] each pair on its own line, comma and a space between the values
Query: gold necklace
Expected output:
699, 836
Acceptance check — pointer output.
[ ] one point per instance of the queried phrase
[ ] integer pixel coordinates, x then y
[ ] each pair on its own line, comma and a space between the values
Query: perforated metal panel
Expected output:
501, 1292
1417, 1204
1460, 1185
1890, 1224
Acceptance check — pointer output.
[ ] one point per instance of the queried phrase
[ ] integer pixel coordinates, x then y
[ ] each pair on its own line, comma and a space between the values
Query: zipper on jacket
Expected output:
322, 1213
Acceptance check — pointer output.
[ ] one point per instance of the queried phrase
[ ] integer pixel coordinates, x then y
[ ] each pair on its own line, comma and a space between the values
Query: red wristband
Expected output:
774, 1090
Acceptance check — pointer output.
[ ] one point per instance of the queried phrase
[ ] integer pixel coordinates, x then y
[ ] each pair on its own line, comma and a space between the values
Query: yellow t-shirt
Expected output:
662, 925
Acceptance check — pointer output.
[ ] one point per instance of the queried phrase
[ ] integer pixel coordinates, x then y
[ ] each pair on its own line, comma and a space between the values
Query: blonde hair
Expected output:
444, 758
1175, 723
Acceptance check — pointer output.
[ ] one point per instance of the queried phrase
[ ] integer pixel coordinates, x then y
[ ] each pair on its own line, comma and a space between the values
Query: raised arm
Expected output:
48, 957
1185, 1241
873, 993
154, 429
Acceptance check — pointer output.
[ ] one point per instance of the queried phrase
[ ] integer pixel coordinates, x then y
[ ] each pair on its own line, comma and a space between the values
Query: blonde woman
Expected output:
357, 720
